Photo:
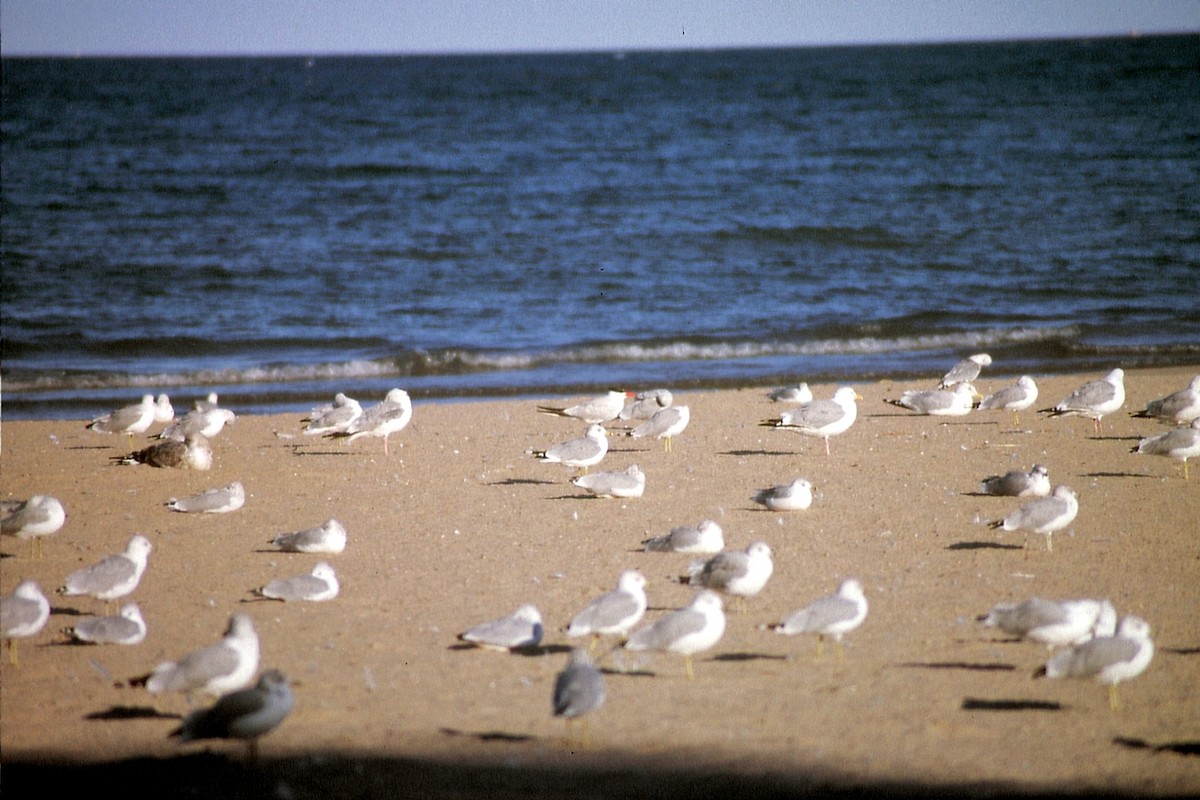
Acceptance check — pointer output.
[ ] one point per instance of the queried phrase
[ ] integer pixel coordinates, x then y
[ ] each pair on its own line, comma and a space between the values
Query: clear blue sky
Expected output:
221, 27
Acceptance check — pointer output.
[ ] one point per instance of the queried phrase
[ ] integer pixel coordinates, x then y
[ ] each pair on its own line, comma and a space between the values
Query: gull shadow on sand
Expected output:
489, 736
983, 546
745, 453
981, 704
536, 650
131, 712
1118, 475
523, 482
1179, 748
963, 665
740, 657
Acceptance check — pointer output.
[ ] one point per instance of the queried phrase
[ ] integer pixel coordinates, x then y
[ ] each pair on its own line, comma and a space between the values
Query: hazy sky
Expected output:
195, 27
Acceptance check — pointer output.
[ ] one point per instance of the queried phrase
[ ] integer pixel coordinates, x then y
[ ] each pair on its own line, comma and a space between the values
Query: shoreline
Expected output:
459, 525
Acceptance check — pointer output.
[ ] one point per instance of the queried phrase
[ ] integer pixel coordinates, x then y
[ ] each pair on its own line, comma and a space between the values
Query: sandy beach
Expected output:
459, 524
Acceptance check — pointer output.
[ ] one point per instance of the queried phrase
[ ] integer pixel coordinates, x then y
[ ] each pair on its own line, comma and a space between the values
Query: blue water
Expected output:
279, 229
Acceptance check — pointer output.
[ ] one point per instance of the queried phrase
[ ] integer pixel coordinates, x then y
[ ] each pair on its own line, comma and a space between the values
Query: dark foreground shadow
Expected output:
330, 775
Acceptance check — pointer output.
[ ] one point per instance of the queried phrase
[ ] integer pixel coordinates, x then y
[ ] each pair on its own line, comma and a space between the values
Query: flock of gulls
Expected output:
1086, 638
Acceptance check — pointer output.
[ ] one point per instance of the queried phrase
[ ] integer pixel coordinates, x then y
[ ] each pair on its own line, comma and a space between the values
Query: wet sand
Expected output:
460, 525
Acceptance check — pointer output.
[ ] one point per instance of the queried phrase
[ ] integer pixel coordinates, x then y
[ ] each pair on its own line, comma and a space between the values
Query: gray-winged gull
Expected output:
966, 370
38, 516
1095, 399
113, 576
823, 418
1177, 408
328, 537
1107, 659
319, 585
742, 573
665, 425
126, 627
1043, 514
1016, 398
956, 401
578, 689
704, 537
220, 500
604, 408
522, 628
794, 496
834, 615
613, 613
246, 714
1018, 483
629, 482
1177, 443
226, 666
391, 416
690, 630
1054, 623
581, 453
22, 614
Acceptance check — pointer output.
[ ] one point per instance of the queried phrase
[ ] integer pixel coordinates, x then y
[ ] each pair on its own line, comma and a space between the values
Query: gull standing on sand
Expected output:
212, 501
824, 418
333, 418
206, 423
955, 402
1015, 483
226, 666
1016, 398
22, 614
833, 615
794, 496
319, 585
966, 370
126, 627
629, 482
329, 537
1094, 399
705, 537
799, 394
520, 629
1107, 659
578, 689
1053, 623
647, 404
1177, 408
128, 420
604, 408
32, 519
381, 421
581, 453
193, 452
1043, 514
742, 573
246, 714
690, 630
1177, 443
665, 425
613, 613
113, 576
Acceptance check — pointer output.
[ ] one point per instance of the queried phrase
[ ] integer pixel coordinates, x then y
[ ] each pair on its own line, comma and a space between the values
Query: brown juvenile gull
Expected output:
1016, 398
192, 452
824, 418
1107, 659
1016, 483
22, 614
1177, 408
604, 408
381, 421
1043, 514
32, 519
966, 370
834, 615
1177, 443
690, 630
1094, 399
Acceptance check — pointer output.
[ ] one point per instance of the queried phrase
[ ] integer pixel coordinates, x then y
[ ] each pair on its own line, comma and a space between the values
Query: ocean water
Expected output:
280, 229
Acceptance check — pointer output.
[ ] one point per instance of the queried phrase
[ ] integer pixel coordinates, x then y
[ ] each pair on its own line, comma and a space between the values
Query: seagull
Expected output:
578, 689
319, 585
1054, 623
1108, 659
1094, 399
629, 482
521, 629
192, 452
207, 423
212, 501
1016, 398
128, 420
1043, 514
799, 394
955, 402
163, 410
1015, 483
579, 453
604, 408
381, 421
665, 425
794, 496
333, 418
22, 614
613, 613
329, 537
226, 666
246, 714
966, 370
113, 576
824, 418
126, 627
742, 573
690, 630
32, 519
705, 537
646, 404
1177, 443
1177, 408
208, 403
833, 615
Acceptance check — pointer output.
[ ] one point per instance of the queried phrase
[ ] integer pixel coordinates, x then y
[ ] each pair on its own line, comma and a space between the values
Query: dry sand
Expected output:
459, 525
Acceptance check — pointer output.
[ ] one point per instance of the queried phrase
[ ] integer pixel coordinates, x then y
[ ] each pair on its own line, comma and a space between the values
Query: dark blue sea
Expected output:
280, 229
